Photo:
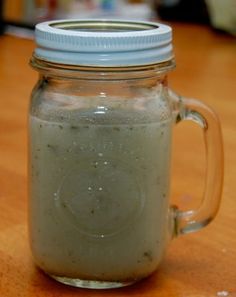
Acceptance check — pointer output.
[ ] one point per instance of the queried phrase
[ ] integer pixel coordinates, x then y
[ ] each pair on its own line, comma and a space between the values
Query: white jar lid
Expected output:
103, 42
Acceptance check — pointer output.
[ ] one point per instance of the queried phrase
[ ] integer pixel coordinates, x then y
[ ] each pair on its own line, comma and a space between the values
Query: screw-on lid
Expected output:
103, 42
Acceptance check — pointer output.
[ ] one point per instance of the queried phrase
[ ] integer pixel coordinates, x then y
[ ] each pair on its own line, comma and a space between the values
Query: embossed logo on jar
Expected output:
100, 198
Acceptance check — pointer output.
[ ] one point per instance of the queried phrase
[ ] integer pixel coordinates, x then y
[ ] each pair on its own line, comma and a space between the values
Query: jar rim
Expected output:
109, 27
48, 68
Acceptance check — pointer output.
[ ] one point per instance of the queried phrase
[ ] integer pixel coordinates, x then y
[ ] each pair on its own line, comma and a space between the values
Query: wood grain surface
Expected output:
202, 264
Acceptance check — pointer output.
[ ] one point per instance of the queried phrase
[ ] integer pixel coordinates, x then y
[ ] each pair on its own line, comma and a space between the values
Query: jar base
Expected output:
90, 284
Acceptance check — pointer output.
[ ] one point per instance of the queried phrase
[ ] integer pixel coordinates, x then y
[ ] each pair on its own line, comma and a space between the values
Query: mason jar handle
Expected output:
196, 111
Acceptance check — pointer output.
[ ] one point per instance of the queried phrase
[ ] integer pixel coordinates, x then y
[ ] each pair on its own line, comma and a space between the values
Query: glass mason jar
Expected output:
100, 129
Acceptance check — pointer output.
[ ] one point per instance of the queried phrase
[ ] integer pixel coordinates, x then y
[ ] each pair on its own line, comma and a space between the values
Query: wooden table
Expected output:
199, 264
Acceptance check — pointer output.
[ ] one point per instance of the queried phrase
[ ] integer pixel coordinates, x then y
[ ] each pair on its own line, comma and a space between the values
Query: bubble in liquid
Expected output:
95, 164
55, 196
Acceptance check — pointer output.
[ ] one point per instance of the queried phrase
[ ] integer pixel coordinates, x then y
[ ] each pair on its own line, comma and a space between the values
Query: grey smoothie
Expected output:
99, 192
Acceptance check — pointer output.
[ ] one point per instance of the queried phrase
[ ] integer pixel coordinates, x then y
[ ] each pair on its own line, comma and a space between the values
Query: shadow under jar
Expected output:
100, 129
